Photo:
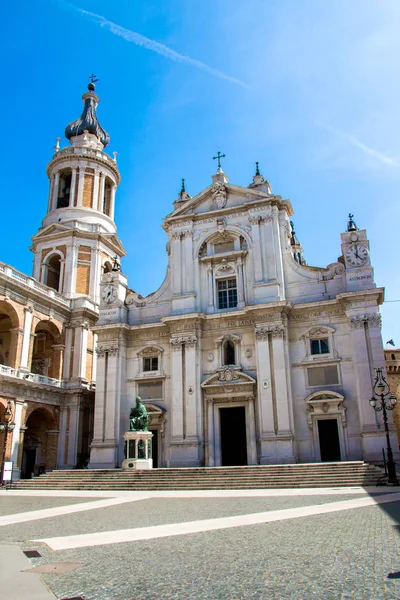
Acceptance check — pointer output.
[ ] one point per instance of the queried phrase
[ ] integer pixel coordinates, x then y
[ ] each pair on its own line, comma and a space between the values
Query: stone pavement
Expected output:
212, 545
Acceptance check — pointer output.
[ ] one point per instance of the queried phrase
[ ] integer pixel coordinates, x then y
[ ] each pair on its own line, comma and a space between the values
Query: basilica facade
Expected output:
244, 355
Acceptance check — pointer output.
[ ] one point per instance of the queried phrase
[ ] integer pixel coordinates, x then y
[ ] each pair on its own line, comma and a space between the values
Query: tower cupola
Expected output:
87, 125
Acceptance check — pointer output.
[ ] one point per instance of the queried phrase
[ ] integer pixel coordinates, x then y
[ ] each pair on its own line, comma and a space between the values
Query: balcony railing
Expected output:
35, 377
32, 283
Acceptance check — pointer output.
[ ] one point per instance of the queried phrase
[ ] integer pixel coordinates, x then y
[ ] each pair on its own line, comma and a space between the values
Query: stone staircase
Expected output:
318, 475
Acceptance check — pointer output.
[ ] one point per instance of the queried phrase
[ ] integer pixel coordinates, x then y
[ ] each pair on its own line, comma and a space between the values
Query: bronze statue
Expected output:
138, 417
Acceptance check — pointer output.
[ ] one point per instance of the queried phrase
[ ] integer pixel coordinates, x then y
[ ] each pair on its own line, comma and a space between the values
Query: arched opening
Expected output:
64, 189
393, 357
5, 340
53, 272
229, 353
39, 450
107, 197
46, 360
9, 327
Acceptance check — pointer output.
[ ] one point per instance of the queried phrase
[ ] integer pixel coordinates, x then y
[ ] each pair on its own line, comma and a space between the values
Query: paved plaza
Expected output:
228, 545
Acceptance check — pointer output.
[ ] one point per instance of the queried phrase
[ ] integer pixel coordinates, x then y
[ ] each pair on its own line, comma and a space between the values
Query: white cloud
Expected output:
354, 141
145, 42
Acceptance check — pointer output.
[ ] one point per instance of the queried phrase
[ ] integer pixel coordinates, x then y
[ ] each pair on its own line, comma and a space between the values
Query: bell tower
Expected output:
78, 240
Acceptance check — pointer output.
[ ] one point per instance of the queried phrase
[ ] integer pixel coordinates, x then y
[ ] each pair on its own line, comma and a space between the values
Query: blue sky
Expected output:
308, 88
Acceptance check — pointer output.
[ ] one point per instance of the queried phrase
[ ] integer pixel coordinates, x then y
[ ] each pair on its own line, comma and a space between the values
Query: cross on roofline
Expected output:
93, 78
218, 157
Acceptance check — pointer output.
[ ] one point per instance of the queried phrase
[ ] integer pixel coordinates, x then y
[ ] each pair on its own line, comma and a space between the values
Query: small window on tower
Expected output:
150, 364
64, 190
319, 346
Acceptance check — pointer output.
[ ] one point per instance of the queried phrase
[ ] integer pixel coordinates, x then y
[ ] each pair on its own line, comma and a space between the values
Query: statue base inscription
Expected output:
137, 451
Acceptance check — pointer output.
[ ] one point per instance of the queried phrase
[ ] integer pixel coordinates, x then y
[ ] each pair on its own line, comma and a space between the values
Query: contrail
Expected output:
141, 40
387, 160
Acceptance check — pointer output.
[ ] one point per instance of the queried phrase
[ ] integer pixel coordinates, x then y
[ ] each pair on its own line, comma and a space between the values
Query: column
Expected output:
271, 255
95, 199
58, 356
362, 374
176, 264
55, 190
210, 281
61, 280
80, 350
240, 286
95, 262
81, 183
67, 352
112, 202
16, 438
73, 185
51, 190
94, 364
255, 232
74, 415
28, 310
70, 269
210, 439
191, 381
101, 194
264, 388
62, 438
283, 401
176, 381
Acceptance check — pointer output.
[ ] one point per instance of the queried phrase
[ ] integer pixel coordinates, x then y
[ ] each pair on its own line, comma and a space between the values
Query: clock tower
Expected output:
355, 248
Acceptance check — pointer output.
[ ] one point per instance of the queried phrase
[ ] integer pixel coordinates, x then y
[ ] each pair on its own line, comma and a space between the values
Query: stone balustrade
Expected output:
34, 377
30, 282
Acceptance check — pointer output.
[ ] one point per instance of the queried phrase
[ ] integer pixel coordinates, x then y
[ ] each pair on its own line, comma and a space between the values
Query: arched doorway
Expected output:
40, 443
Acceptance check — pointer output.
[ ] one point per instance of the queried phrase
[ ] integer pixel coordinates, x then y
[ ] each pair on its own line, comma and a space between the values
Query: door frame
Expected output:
327, 404
215, 450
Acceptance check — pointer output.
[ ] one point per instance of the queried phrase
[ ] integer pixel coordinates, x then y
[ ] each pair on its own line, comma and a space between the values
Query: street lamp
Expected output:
6, 426
383, 400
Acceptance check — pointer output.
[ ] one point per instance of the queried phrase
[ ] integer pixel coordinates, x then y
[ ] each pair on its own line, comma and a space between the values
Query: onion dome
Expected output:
88, 119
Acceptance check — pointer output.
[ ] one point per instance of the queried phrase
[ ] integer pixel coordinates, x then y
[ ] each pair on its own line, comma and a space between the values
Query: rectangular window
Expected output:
227, 293
150, 391
150, 364
320, 346
224, 247
323, 376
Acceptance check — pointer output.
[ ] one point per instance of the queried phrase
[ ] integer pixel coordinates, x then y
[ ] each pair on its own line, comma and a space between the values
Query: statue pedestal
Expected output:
137, 451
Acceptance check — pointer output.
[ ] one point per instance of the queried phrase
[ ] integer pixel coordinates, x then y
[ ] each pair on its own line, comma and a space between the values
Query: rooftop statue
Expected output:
138, 417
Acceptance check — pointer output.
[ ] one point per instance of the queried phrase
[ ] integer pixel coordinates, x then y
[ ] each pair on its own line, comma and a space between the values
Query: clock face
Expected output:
357, 255
109, 294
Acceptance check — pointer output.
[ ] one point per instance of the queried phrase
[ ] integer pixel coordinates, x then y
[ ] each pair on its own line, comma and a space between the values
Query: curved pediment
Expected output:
231, 375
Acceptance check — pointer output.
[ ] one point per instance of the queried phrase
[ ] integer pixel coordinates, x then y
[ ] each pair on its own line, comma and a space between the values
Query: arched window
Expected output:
53, 272
229, 353
393, 357
64, 189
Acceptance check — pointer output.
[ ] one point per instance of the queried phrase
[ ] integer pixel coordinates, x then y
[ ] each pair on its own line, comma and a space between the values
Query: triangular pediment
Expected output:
218, 198
50, 230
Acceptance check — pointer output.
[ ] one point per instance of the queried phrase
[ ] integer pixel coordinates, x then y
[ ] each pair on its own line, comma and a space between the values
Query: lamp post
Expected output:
6, 426
383, 400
